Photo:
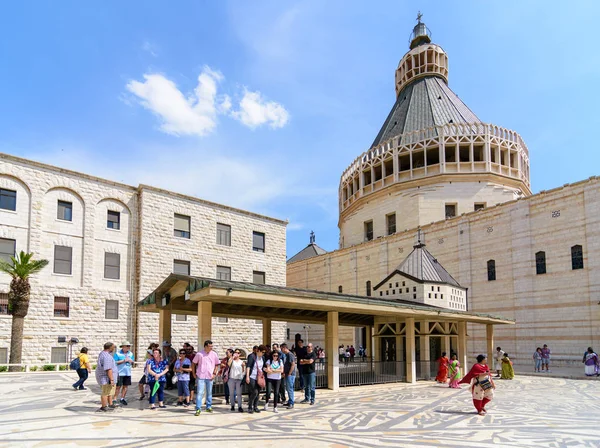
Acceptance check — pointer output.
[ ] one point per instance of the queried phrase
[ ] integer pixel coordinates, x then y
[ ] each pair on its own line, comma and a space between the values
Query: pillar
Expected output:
489, 332
331, 346
411, 366
424, 351
204, 323
462, 345
368, 342
266, 332
446, 345
164, 326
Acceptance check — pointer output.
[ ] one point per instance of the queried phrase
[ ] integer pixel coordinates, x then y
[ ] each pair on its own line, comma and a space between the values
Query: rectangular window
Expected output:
222, 320
223, 234
61, 307
180, 317
414, 296
65, 211
258, 242
8, 199
368, 230
340, 289
479, 206
58, 355
111, 310
112, 265
7, 249
182, 226
369, 288
414, 289
491, 270
223, 273
577, 257
4, 355
391, 224
3, 303
540, 262
258, 277
406, 288
441, 296
113, 220
181, 267
63, 259
258, 321
450, 210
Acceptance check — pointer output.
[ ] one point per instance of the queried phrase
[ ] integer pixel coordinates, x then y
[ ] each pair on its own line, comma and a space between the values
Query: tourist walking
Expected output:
455, 375
106, 374
85, 368
183, 369
482, 384
592, 362
442, 374
236, 374
498, 364
255, 377
289, 374
508, 373
206, 363
224, 373
124, 360
309, 374
546, 355
157, 368
274, 369
537, 359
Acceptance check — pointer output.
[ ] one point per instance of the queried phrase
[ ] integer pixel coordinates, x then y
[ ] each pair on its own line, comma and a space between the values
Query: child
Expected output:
183, 367
508, 372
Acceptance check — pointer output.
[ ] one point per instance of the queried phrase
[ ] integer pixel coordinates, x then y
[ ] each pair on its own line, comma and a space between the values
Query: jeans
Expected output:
204, 385
282, 388
235, 391
226, 390
273, 384
253, 395
290, 380
310, 384
160, 392
183, 388
83, 376
538, 364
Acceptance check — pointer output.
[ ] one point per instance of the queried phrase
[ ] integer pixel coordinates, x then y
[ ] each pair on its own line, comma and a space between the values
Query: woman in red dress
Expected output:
442, 375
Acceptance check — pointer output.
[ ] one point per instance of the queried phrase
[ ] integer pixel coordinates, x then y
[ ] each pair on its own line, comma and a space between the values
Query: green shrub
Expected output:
33, 368
63, 368
48, 367
3, 368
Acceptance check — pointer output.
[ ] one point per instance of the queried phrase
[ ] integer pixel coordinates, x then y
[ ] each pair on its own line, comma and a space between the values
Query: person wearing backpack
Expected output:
84, 369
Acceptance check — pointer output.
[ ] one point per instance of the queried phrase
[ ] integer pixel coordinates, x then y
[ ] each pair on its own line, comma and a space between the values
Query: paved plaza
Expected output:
41, 409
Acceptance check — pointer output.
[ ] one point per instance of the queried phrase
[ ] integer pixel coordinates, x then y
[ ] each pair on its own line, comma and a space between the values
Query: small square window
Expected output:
223, 234
223, 273
7, 249
182, 226
450, 210
111, 310
3, 303
61, 307
65, 211
258, 241
258, 321
58, 355
479, 206
258, 277
180, 317
8, 199
181, 267
4, 355
113, 220
222, 320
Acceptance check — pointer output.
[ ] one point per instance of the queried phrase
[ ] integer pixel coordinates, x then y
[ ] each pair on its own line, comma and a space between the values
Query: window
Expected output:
391, 224
4, 355
63, 258
182, 226
223, 234
112, 266
441, 296
180, 317
404, 284
340, 289
65, 211
390, 285
491, 270
258, 242
223, 273
380, 293
479, 206
181, 267
113, 220
387, 293
112, 309
58, 355
406, 288
8, 199
7, 249
450, 210
258, 277
577, 257
414, 289
369, 288
429, 296
397, 284
414, 296
3, 303
540, 262
368, 230
222, 320
393, 291
61, 307
258, 321
287, 334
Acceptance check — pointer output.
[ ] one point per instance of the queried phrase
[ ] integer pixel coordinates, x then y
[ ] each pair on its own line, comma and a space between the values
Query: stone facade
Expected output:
146, 247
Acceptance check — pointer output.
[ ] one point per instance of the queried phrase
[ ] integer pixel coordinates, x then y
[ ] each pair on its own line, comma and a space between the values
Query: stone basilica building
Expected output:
436, 167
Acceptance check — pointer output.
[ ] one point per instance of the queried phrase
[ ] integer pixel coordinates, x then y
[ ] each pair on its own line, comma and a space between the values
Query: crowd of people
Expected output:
349, 353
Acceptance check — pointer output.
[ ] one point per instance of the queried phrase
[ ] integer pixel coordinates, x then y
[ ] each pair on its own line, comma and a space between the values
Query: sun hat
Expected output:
125, 343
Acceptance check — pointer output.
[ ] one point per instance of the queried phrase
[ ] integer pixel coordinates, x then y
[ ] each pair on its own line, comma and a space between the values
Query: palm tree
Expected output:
21, 268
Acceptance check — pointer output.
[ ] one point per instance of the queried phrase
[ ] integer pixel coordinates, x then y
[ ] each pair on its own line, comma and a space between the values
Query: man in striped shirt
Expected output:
106, 374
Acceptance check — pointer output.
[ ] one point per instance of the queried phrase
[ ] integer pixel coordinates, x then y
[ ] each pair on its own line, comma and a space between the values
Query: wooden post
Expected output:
411, 366
266, 332
164, 326
204, 323
331, 347
462, 345
489, 330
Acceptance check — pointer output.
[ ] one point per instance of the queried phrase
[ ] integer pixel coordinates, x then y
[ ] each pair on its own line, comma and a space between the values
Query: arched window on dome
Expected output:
491, 270
540, 262
577, 257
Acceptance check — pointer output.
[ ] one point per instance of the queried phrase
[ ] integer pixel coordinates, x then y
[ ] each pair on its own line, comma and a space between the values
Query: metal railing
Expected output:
365, 372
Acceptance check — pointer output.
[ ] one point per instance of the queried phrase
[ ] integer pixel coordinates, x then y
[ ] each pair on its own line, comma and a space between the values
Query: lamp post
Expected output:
306, 328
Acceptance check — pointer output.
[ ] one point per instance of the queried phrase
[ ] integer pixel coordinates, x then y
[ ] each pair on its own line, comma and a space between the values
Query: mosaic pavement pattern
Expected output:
43, 410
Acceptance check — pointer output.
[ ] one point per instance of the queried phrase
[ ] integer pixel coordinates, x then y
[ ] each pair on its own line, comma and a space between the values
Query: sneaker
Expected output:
257, 411
232, 408
103, 409
83, 388
209, 410
123, 401
290, 406
185, 405
304, 401
75, 388
266, 406
250, 411
113, 406
275, 410
197, 413
179, 403
240, 410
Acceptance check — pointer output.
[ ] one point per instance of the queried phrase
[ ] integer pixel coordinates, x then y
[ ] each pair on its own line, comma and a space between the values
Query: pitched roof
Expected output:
422, 104
312, 250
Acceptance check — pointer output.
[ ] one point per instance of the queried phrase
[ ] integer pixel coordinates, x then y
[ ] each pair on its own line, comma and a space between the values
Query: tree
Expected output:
20, 269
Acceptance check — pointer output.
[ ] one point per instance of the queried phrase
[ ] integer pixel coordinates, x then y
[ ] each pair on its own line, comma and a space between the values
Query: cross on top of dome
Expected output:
420, 34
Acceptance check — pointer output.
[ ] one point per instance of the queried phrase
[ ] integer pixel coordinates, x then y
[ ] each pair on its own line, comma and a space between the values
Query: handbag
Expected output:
485, 383
174, 379
260, 376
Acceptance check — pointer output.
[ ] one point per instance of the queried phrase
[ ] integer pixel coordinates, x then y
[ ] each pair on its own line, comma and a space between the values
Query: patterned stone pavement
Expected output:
43, 410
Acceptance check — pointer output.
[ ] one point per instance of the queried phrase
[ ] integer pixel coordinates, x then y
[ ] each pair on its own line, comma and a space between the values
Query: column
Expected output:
164, 326
462, 345
331, 349
489, 332
446, 345
424, 350
266, 332
368, 342
411, 367
204, 323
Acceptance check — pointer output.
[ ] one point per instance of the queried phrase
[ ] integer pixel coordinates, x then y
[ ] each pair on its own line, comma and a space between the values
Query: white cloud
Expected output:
254, 111
195, 114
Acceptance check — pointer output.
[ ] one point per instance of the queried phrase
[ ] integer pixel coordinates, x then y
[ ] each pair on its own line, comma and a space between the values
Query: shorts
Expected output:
183, 388
143, 380
107, 390
124, 381
545, 361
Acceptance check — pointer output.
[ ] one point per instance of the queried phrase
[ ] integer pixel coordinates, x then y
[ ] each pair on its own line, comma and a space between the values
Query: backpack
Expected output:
75, 364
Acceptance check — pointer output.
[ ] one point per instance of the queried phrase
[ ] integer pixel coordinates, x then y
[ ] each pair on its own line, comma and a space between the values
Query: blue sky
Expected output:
262, 105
